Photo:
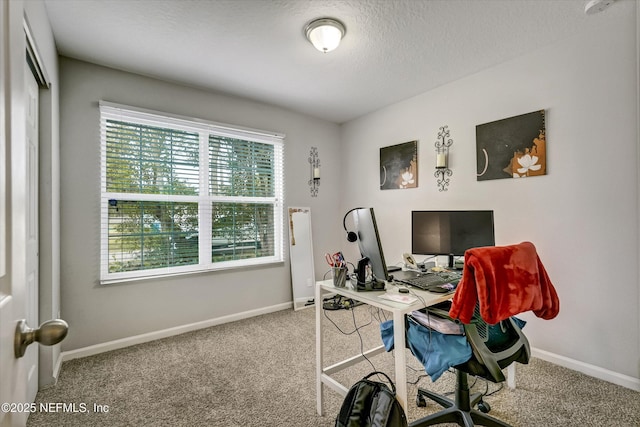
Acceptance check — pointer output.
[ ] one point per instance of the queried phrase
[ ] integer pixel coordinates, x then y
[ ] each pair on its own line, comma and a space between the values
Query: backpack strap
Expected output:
393, 386
371, 404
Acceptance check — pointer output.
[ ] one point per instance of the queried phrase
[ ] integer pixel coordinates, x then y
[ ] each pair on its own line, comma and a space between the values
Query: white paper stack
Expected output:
437, 323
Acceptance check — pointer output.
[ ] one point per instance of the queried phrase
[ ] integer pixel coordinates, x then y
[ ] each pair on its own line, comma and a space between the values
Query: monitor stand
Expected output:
372, 285
452, 263
364, 285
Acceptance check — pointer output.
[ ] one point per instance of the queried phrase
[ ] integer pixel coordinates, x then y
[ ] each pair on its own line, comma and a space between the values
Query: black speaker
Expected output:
351, 235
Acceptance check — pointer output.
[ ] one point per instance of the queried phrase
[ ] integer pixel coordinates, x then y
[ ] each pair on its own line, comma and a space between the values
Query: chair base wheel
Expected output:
484, 407
421, 402
457, 411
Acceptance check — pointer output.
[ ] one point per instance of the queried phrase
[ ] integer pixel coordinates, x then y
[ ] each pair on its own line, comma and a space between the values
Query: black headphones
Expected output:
351, 236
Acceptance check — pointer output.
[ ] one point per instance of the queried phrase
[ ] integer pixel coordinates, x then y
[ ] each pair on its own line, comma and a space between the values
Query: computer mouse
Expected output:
403, 290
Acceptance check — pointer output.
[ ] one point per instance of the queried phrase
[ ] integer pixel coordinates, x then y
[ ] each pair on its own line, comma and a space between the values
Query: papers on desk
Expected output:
403, 298
437, 323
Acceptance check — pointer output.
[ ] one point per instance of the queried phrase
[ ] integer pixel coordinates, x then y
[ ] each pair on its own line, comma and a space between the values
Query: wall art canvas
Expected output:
399, 166
512, 148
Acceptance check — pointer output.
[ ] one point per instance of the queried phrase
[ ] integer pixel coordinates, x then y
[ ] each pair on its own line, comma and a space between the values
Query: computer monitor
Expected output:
450, 232
369, 242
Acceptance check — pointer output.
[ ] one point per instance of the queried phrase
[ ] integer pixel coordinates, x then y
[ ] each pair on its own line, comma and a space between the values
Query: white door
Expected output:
14, 215
18, 220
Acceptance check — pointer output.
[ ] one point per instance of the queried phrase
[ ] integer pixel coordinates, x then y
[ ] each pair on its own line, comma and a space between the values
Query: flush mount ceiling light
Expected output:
325, 33
595, 6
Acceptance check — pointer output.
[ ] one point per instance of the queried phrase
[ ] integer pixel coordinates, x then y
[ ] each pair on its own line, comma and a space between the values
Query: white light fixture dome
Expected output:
325, 33
595, 6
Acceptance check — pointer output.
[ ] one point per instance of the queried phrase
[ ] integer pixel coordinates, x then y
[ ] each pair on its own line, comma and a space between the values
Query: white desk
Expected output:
323, 375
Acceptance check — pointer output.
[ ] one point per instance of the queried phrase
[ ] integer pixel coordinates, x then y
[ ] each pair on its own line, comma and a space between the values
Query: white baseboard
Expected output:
156, 335
591, 370
57, 366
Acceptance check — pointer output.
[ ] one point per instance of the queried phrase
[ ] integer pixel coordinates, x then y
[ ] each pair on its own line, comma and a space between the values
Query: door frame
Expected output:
50, 360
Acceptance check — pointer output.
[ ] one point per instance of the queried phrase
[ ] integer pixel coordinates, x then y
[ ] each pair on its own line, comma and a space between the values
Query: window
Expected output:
182, 195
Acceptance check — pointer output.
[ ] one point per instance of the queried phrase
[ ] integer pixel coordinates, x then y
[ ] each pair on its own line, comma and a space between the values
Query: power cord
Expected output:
338, 302
375, 313
356, 327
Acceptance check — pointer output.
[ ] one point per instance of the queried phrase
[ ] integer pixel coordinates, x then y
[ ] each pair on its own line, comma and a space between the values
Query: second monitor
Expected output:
370, 249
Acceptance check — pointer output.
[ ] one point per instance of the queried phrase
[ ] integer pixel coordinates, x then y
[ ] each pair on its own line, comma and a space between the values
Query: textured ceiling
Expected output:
393, 49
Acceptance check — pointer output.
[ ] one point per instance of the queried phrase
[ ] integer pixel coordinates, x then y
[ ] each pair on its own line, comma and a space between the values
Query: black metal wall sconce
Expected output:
314, 171
443, 172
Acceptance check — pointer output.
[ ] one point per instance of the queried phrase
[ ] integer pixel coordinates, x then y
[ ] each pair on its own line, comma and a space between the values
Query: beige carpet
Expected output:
261, 372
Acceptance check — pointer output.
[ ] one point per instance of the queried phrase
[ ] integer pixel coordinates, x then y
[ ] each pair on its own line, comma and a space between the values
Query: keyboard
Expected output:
434, 282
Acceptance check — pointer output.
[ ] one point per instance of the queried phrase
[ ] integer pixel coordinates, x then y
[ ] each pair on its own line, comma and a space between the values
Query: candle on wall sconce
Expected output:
442, 158
314, 164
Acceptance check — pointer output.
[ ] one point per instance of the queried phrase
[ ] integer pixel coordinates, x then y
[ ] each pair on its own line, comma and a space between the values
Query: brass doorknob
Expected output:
50, 332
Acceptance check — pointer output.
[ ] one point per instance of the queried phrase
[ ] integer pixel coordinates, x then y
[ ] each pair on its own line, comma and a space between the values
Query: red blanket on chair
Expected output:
505, 281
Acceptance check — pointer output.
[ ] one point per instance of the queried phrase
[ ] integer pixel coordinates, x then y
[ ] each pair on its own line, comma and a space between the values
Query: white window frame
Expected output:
113, 111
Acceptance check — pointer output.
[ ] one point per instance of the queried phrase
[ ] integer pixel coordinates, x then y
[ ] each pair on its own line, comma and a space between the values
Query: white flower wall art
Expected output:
512, 148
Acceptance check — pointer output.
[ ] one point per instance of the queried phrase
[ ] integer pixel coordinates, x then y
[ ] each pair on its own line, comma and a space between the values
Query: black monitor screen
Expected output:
369, 241
450, 232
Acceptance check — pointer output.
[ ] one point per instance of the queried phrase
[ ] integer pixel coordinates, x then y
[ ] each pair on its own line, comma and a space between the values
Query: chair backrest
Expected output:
499, 282
494, 347
504, 281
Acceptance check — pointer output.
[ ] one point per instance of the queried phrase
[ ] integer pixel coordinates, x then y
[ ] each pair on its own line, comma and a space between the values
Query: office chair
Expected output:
494, 348
497, 283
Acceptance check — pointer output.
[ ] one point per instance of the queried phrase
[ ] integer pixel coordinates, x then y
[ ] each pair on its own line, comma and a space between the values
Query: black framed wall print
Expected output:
512, 148
399, 166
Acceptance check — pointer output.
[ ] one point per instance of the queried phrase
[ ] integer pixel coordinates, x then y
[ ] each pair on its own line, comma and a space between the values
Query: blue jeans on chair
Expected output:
436, 351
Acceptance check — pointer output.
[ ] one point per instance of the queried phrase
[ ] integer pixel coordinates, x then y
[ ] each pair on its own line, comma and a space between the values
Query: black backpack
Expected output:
371, 404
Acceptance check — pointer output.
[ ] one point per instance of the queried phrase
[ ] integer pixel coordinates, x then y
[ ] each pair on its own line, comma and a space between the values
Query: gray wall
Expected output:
582, 216
98, 313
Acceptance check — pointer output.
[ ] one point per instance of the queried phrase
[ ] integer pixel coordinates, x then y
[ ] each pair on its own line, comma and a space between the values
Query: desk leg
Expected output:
399, 344
511, 376
319, 342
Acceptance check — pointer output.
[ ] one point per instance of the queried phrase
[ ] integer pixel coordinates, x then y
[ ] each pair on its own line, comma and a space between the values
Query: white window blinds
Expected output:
183, 195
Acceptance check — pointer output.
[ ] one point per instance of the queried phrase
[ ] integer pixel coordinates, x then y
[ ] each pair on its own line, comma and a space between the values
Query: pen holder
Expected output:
339, 276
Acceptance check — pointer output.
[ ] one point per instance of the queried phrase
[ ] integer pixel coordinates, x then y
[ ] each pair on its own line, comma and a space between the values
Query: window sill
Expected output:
159, 275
